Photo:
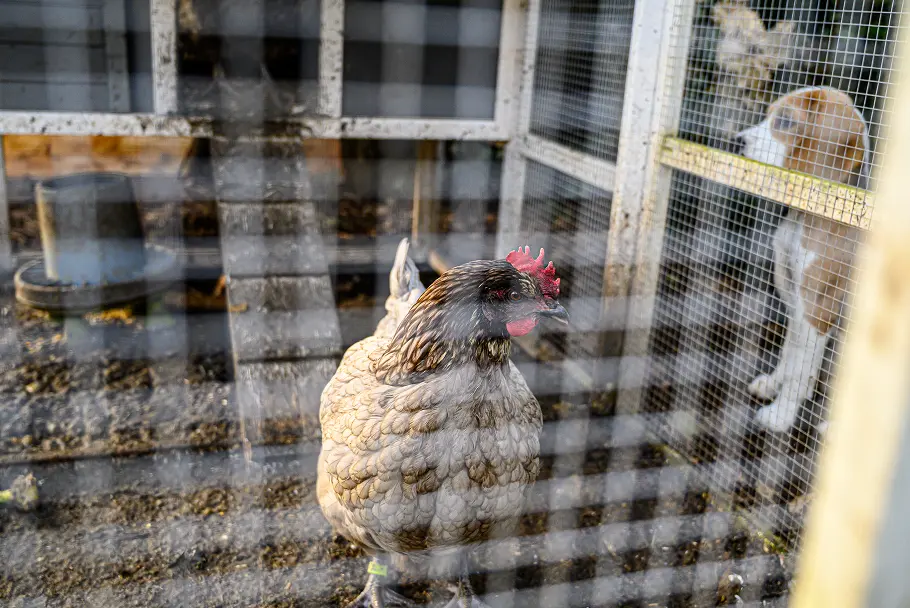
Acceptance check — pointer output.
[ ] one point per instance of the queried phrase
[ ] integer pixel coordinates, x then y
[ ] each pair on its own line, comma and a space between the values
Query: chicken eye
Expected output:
515, 296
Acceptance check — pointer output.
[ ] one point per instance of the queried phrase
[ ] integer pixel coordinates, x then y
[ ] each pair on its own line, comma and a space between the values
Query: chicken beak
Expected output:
557, 313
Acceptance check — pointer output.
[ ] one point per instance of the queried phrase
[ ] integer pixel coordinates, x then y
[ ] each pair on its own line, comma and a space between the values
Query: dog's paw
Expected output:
779, 416
765, 386
822, 428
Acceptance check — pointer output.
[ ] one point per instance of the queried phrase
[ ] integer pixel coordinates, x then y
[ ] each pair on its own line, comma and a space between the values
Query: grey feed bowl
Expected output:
35, 289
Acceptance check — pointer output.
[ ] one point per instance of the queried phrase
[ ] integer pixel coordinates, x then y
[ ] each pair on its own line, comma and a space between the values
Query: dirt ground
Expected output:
200, 527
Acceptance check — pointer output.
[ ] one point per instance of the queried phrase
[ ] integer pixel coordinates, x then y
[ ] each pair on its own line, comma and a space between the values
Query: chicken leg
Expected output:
376, 594
464, 595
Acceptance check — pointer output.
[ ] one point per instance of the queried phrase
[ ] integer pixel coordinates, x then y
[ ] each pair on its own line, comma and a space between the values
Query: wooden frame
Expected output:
643, 107
515, 165
648, 196
331, 57
78, 123
163, 15
817, 196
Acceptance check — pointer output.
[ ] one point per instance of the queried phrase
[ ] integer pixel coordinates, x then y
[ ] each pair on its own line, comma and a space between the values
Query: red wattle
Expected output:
522, 327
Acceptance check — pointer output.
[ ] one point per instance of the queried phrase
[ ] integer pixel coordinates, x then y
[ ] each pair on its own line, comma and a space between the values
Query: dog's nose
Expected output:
737, 144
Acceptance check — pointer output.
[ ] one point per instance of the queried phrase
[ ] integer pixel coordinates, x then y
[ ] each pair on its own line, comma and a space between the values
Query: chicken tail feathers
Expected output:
404, 289
404, 276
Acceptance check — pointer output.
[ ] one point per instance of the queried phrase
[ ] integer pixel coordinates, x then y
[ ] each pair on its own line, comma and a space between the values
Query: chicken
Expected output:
430, 435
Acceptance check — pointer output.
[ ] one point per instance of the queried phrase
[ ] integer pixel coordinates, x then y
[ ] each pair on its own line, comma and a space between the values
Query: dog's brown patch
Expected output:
824, 134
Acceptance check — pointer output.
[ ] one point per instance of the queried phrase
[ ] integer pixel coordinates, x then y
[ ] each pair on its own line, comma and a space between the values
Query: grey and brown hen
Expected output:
430, 433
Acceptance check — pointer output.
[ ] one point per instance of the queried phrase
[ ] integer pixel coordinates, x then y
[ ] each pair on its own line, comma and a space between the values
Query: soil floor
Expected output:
181, 519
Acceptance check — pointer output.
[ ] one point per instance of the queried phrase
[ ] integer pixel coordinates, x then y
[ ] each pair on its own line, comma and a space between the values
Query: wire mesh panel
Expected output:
75, 55
421, 59
570, 220
271, 48
580, 72
743, 56
754, 291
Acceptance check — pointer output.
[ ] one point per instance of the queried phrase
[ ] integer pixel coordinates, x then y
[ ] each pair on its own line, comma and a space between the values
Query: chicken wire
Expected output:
570, 220
745, 55
613, 519
421, 59
720, 319
580, 73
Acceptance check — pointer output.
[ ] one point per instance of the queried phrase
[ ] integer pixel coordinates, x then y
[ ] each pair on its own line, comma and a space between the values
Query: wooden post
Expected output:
858, 540
425, 221
6, 253
283, 325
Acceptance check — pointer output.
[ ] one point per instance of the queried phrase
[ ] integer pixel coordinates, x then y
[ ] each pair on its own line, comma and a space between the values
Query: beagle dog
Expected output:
818, 131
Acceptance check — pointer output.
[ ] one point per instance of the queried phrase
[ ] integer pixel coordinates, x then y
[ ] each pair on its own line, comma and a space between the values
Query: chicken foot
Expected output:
376, 594
464, 595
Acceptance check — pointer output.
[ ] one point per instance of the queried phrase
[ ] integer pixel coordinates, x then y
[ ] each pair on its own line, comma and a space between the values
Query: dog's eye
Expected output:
515, 296
783, 121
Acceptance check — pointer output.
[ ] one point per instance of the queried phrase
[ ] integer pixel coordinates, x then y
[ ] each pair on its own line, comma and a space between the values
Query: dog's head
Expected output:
818, 131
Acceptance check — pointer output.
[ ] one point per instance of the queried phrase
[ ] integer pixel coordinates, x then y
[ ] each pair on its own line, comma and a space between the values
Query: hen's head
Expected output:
520, 293
469, 314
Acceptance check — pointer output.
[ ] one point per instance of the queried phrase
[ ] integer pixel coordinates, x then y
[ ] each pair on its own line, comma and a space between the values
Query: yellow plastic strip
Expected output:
377, 569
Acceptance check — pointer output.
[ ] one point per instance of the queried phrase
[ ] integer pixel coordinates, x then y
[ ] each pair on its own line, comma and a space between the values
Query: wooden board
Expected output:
856, 547
39, 156
818, 196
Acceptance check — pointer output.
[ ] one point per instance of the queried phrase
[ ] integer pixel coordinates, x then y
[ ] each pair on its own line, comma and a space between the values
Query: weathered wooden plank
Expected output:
856, 547
257, 336
279, 255
285, 391
283, 318
818, 196
268, 219
282, 293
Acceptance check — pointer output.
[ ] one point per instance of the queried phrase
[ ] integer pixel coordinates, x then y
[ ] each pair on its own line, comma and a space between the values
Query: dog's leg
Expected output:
822, 281
785, 248
798, 370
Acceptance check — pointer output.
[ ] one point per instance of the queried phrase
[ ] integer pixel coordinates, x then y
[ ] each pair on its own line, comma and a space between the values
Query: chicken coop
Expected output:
201, 202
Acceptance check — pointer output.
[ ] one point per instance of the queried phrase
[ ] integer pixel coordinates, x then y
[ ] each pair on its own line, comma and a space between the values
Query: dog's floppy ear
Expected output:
788, 122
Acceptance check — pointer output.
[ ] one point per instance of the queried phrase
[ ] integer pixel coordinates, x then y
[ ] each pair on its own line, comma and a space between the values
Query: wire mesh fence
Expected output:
754, 293
571, 219
580, 73
175, 436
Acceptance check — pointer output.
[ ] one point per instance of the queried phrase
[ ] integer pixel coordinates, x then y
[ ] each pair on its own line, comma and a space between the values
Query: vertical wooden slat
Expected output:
514, 169
646, 196
164, 55
331, 57
6, 254
425, 221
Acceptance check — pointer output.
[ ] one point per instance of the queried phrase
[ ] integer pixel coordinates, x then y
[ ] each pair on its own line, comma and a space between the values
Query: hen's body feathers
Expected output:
415, 460
433, 464
430, 434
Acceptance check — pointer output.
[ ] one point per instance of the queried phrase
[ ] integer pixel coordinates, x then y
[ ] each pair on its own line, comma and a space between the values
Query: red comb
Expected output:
546, 276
